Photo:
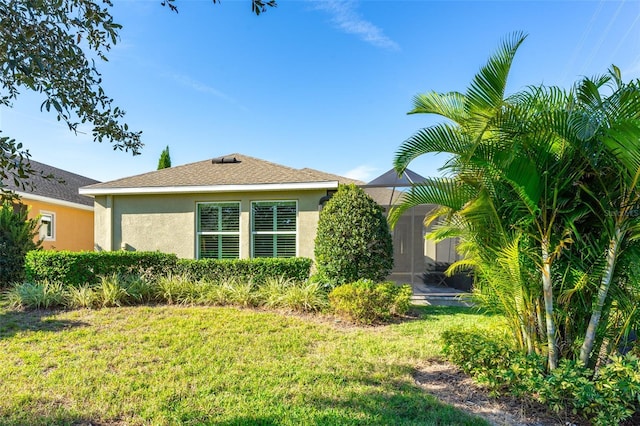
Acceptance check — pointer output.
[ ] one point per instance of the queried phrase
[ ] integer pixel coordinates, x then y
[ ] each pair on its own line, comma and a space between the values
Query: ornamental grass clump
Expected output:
84, 296
111, 292
43, 295
286, 293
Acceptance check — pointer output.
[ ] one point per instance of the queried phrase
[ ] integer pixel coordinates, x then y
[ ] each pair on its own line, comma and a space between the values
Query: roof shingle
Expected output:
246, 171
67, 190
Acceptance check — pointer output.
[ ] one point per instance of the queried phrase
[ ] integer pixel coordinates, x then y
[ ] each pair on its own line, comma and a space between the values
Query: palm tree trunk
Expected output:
547, 291
603, 291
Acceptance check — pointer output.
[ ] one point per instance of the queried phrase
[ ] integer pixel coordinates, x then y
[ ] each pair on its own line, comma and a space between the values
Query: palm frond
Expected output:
448, 105
486, 91
441, 138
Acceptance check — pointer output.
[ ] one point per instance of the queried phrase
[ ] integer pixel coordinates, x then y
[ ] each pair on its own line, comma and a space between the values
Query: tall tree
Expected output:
542, 189
49, 47
165, 160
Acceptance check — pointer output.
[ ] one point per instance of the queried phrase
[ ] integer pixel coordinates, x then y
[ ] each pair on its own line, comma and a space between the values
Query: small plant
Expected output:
271, 292
36, 295
286, 293
110, 292
366, 302
82, 297
240, 293
178, 289
213, 293
140, 289
305, 297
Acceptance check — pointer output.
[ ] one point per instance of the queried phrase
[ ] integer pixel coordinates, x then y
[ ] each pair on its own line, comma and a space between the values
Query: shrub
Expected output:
257, 270
17, 237
610, 397
37, 295
353, 239
366, 302
78, 268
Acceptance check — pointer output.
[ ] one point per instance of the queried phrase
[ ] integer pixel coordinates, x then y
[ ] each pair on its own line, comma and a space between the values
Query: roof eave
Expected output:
150, 190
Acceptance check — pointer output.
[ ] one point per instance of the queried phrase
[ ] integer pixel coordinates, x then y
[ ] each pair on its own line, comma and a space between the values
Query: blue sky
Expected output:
320, 84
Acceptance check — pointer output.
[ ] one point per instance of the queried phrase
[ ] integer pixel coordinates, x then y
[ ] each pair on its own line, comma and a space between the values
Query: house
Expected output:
66, 217
234, 206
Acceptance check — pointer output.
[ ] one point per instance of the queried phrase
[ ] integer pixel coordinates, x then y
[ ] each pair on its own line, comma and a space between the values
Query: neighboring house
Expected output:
66, 217
238, 206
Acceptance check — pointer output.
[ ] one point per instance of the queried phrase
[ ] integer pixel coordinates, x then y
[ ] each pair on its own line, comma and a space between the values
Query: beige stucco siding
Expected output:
167, 223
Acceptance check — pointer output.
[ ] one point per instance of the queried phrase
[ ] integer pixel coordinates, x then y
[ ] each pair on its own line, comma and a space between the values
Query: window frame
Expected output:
51, 227
201, 233
274, 233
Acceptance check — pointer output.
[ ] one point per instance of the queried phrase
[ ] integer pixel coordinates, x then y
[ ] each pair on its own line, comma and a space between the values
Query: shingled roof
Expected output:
62, 186
230, 172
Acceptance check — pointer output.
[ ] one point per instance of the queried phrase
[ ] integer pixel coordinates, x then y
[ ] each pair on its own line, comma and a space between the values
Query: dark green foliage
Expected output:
607, 398
51, 48
17, 235
257, 270
367, 302
353, 239
165, 159
78, 268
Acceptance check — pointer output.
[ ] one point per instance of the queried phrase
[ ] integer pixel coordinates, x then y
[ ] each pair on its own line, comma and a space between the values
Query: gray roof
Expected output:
224, 170
391, 179
62, 186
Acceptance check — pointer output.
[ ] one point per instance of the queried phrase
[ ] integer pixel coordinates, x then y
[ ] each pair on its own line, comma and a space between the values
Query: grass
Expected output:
168, 365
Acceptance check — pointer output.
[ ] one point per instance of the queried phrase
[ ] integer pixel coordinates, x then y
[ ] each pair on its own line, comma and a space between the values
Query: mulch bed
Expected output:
451, 386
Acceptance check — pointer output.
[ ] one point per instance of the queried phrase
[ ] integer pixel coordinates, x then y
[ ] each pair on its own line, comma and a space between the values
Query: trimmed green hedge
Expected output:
78, 268
257, 270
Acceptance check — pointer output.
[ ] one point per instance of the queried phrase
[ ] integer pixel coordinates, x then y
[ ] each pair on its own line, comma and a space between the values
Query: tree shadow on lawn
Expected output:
13, 322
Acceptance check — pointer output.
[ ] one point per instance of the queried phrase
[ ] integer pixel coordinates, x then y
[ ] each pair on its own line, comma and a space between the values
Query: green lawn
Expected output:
224, 366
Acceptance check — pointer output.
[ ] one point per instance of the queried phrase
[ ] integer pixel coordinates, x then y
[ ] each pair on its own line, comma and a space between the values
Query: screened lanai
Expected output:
416, 259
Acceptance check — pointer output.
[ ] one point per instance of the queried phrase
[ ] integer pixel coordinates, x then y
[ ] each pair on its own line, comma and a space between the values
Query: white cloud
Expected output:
345, 16
204, 88
364, 173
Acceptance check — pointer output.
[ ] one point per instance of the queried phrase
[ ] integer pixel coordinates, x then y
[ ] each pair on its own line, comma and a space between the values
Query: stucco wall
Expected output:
73, 228
168, 222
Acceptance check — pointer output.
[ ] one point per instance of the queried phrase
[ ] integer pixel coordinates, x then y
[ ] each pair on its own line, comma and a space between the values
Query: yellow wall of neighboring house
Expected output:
72, 227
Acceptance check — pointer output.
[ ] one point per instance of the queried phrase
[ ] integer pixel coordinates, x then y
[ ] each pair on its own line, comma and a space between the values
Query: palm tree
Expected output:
541, 184
613, 121
500, 147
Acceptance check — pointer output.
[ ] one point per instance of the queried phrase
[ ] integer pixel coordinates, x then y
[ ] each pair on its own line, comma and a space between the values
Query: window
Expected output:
274, 228
47, 226
218, 230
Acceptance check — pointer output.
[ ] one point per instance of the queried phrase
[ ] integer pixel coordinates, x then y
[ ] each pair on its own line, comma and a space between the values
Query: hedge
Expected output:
255, 270
78, 268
